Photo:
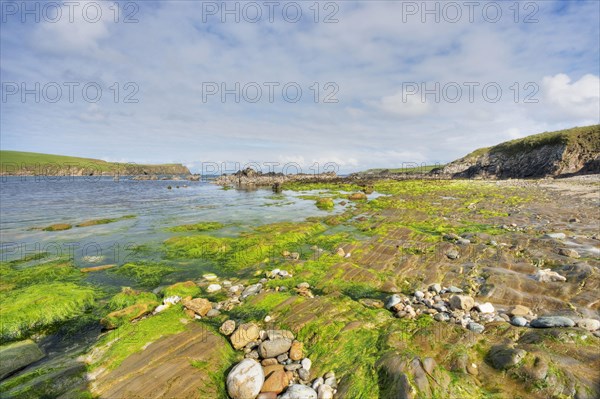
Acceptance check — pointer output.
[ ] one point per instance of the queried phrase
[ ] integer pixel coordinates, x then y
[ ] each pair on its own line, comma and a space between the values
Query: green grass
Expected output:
586, 138
48, 164
36, 307
12, 276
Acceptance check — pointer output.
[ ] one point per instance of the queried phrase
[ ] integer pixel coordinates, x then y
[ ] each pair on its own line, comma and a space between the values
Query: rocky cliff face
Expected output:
562, 153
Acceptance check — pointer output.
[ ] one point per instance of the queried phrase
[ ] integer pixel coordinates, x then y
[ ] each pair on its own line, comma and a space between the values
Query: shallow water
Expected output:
28, 204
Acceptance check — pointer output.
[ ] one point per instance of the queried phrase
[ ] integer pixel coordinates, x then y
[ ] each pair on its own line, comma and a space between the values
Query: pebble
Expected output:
298, 391
213, 313
213, 288
393, 301
518, 321
552, 321
251, 290
441, 317
306, 364
317, 383
454, 290
293, 366
304, 374
452, 254
462, 302
274, 348
331, 382
435, 288
547, 275
282, 358
210, 277
571, 253
325, 392
560, 236
419, 295
589, 324
475, 327
485, 307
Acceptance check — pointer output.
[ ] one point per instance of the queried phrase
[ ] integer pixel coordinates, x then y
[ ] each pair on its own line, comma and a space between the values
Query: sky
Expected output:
335, 85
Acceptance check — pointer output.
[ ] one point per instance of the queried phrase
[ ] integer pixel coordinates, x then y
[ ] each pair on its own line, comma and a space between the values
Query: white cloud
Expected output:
404, 105
580, 98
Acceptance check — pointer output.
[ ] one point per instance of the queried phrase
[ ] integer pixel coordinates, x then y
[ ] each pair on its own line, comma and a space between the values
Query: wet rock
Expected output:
462, 302
274, 348
245, 334
245, 380
571, 253
17, 355
503, 357
298, 391
589, 324
518, 321
552, 321
200, 306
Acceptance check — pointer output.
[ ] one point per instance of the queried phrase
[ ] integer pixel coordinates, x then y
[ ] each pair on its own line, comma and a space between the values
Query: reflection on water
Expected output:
29, 203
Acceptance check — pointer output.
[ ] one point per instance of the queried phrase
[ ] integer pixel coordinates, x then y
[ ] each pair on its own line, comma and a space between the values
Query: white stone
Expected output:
486, 307
210, 276
547, 275
589, 324
325, 392
172, 300
306, 364
245, 380
298, 391
213, 288
160, 308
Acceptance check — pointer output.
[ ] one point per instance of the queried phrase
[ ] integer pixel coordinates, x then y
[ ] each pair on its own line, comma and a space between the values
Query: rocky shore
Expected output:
426, 289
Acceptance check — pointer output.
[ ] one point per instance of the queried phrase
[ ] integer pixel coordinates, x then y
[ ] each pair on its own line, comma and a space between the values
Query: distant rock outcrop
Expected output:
562, 153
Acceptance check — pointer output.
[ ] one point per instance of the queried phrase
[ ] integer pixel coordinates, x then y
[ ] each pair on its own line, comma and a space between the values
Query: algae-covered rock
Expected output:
130, 313
17, 355
58, 227
325, 203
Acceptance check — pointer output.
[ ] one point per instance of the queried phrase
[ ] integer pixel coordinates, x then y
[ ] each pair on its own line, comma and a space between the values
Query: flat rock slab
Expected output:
163, 370
17, 355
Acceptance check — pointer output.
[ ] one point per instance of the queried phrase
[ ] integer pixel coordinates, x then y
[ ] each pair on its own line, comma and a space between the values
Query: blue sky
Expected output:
371, 61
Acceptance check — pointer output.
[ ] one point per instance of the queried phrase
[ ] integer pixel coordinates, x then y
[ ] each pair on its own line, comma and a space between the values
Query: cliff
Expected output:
35, 164
561, 153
